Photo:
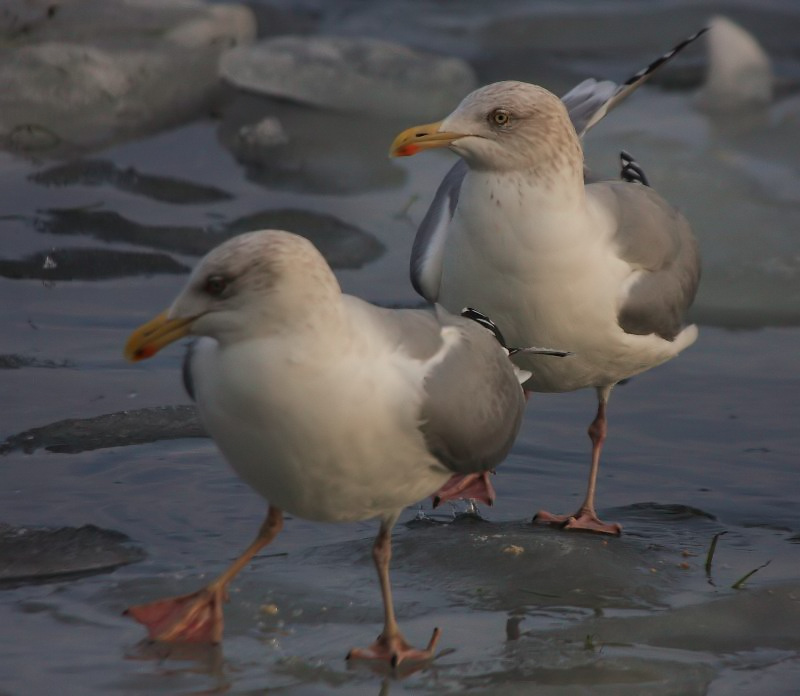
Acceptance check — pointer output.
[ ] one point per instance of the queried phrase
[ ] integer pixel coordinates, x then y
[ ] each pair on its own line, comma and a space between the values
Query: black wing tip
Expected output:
542, 351
486, 323
630, 170
658, 62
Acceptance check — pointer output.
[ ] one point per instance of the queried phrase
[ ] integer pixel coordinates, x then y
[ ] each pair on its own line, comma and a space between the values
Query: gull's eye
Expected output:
499, 117
215, 285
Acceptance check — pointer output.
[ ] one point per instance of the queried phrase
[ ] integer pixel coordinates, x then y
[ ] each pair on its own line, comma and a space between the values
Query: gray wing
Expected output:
586, 100
587, 103
474, 403
654, 238
186, 371
590, 101
428, 250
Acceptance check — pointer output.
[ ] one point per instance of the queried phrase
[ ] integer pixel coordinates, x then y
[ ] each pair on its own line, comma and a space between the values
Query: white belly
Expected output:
551, 291
308, 447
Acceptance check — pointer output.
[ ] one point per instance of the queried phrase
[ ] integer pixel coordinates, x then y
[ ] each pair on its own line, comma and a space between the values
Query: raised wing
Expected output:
587, 104
591, 100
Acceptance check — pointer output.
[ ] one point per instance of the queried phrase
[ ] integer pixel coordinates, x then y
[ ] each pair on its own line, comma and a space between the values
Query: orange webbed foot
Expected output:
395, 650
191, 618
582, 521
466, 487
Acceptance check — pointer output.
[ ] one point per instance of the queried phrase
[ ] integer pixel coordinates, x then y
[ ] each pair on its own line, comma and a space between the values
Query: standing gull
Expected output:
331, 408
606, 269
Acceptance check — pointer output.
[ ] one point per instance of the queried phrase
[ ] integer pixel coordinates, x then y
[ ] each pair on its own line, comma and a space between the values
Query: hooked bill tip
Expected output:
143, 353
406, 150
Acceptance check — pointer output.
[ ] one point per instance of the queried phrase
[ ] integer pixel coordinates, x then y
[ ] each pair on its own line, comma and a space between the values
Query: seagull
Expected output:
331, 408
605, 268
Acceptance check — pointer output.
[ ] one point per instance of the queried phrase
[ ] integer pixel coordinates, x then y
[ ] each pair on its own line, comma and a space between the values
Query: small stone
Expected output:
513, 549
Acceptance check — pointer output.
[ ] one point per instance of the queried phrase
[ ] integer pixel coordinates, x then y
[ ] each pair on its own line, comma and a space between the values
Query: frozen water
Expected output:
704, 444
76, 75
35, 555
118, 429
355, 75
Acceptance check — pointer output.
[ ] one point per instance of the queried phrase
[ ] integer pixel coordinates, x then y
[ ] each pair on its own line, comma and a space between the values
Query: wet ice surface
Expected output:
41, 555
705, 444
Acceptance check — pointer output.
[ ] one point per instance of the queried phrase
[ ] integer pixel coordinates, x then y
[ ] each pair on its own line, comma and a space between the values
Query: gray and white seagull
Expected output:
606, 270
329, 407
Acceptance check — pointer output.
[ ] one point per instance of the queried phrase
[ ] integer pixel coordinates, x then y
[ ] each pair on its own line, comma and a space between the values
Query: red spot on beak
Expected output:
406, 150
146, 352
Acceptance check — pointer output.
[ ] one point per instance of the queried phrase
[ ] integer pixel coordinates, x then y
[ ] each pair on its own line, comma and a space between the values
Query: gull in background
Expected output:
606, 269
331, 408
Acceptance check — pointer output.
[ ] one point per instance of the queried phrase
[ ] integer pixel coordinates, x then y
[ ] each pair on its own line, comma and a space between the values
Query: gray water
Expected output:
98, 239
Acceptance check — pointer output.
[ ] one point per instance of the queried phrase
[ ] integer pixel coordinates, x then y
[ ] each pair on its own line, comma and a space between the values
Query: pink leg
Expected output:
390, 645
197, 617
586, 519
466, 486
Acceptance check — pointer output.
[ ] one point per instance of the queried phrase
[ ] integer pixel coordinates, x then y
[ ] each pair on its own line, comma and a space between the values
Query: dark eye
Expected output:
499, 117
215, 285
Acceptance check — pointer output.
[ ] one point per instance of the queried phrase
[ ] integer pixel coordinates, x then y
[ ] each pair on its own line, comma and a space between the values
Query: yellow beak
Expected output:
151, 337
425, 137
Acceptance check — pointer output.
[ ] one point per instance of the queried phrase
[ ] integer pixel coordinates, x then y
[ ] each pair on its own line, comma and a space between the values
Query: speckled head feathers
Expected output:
517, 126
257, 282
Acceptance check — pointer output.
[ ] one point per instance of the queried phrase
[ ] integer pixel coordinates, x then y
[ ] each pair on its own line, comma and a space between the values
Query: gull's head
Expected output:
255, 284
503, 126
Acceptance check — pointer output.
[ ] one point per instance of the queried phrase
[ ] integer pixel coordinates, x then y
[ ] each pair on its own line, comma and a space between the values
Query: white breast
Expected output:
548, 275
317, 435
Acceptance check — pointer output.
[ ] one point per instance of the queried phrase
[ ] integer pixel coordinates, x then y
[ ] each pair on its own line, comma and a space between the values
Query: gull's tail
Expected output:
588, 102
630, 170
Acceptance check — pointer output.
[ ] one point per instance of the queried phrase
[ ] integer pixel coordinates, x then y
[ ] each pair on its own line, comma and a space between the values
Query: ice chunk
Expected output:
351, 74
84, 74
739, 71
221, 25
119, 429
35, 555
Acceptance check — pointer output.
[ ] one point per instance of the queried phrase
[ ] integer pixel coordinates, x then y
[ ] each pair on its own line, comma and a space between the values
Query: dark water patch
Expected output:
42, 554
673, 512
119, 429
310, 150
95, 172
12, 361
343, 245
770, 526
81, 263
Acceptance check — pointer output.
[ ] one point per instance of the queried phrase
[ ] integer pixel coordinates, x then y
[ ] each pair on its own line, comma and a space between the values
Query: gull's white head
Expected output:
255, 284
504, 126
